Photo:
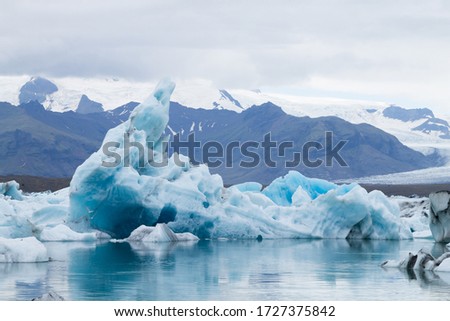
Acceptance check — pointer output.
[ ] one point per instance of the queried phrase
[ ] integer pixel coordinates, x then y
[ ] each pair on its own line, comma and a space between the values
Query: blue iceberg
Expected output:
11, 189
116, 192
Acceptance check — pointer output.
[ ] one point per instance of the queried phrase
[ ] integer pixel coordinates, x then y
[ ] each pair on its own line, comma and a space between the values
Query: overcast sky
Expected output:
395, 51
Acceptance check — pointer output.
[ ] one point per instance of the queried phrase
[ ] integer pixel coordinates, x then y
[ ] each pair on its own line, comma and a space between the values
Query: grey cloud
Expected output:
233, 43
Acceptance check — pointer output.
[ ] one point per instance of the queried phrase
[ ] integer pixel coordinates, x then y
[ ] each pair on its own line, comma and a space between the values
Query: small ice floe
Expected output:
63, 233
157, 234
49, 296
422, 261
22, 250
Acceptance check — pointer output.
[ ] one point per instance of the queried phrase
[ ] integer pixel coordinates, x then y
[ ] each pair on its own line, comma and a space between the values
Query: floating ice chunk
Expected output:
422, 261
109, 196
425, 234
158, 234
24, 250
385, 217
49, 216
414, 212
440, 216
50, 296
282, 189
153, 111
139, 234
443, 267
249, 187
300, 197
394, 264
25, 217
354, 213
439, 201
11, 189
63, 233
13, 222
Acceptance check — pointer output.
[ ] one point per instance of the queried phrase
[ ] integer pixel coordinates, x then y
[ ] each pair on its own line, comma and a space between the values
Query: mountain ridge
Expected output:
75, 124
39, 142
427, 133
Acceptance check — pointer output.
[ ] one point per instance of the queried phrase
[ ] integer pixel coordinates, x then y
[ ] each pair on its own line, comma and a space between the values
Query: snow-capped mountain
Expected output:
418, 129
112, 93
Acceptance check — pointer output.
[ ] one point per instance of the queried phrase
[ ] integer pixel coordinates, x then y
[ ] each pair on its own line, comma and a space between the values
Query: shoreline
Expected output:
31, 184
422, 190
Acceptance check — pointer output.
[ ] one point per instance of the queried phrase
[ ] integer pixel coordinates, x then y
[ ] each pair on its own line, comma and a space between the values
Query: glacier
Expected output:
121, 194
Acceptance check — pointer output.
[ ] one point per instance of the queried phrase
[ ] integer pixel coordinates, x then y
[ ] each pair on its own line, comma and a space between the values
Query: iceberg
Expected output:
11, 189
49, 296
43, 216
119, 188
129, 189
286, 190
15, 210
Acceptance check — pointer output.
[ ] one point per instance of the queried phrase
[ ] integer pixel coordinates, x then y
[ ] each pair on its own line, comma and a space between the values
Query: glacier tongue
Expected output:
118, 199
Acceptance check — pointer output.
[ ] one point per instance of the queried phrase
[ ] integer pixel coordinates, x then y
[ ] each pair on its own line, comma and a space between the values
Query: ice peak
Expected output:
152, 115
163, 91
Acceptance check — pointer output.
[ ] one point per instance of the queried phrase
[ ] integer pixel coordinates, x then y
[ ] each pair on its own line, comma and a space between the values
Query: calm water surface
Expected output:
226, 270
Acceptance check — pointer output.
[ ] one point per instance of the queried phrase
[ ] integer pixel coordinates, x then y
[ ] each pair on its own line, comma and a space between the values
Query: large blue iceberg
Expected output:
118, 191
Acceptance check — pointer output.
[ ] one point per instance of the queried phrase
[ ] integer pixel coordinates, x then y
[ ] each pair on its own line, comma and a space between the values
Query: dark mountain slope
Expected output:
37, 142
368, 150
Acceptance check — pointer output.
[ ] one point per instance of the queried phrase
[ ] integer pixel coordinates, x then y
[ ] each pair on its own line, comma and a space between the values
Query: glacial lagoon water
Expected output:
226, 270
